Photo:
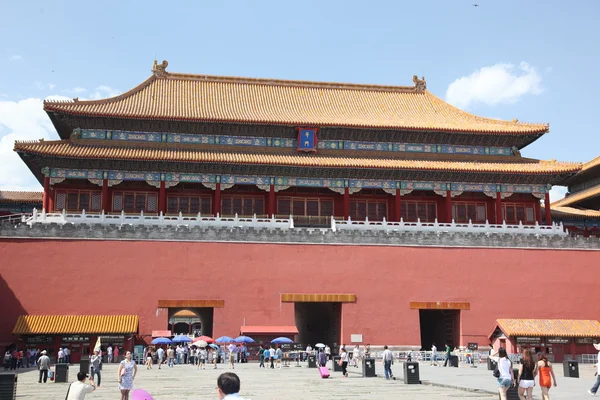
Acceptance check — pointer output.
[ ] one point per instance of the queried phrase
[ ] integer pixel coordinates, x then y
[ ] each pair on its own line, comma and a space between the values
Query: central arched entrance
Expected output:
191, 317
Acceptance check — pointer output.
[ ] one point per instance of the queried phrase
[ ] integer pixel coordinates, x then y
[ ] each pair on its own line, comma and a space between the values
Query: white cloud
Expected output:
102, 92
16, 57
51, 86
20, 120
496, 84
557, 193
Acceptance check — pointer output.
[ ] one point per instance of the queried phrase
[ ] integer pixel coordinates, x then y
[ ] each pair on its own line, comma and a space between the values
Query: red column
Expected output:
498, 208
398, 205
586, 231
346, 203
448, 206
46, 196
271, 200
217, 199
538, 211
51, 200
547, 209
105, 198
162, 198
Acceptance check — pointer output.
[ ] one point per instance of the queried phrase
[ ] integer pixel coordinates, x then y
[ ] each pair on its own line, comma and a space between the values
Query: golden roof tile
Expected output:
590, 164
65, 148
7, 196
71, 324
549, 327
572, 212
577, 197
184, 97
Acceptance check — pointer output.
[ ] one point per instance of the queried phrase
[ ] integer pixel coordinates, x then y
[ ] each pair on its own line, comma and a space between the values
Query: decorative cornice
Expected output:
54, 181
98, 182
490, 194
114, 182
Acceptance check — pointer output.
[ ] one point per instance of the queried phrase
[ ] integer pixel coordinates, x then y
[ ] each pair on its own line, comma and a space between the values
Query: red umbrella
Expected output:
207, 339
139, 394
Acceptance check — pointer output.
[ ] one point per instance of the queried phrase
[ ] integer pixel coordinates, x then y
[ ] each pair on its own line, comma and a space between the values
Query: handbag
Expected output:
340, 362
496, 372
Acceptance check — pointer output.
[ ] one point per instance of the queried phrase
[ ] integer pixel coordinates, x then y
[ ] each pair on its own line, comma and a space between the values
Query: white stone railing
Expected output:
366, 225
161, 220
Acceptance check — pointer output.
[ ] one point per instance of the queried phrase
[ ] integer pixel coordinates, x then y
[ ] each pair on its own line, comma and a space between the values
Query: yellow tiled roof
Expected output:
549, 327
577, 213
577, 197
590, 164
71, 324
7, 196
185, 314
65, 148
172, 96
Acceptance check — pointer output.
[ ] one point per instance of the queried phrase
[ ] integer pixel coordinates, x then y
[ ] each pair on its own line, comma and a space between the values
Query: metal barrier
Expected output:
587, 358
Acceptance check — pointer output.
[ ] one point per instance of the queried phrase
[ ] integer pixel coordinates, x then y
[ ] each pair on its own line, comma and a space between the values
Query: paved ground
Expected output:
185, 382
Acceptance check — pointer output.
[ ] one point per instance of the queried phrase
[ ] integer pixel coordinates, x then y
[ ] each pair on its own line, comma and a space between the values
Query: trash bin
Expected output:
8, 386
411, 373
491, 364
571, 369
454, 361
312, 361
369, 368
84, 365
336, 366
61, 373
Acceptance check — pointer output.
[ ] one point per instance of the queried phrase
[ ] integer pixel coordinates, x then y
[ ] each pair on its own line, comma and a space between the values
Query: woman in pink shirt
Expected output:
116, 354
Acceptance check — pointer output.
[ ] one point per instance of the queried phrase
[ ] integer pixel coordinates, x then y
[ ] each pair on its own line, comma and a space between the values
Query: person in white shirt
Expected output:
356, 356
202, 354
594, 388
67, 355
506, 378
344, 362
160, 355
272, 356
388, 358
328, 351
232, 349
228, 386
79, 389
44, 366
109, 354
434, 355
308, 351
61, 356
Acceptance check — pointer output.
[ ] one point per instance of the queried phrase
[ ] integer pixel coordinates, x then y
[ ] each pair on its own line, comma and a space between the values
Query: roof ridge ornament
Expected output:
420, 84
160, 70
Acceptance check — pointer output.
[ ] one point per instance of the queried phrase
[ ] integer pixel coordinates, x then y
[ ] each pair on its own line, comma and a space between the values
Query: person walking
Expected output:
356, 356
228, 386
232, 349
279, 356
126, 374
95, 362
322, 358
170, 356
526, 377
77, 390
109, 354
44, 366
149, 358
67, 352
448, 353
116, 354
594, 388
215, 357
328, 351
7, 360
261, 357
344, 362
201, 354
388, 358
160, 356
433, 355
506, 379
61, 356
546, 373
272, 356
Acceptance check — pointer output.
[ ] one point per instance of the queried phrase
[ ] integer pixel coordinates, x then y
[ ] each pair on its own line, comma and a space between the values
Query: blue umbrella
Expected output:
161, 340
181, 339
281, 340
214, 346
224, 339
243, 339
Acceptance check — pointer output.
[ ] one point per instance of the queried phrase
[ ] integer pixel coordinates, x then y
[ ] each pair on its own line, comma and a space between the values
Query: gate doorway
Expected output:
440, 327
318, 322
191, 321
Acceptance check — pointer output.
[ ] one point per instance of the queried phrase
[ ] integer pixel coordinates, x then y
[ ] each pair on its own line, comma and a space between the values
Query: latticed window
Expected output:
78, 200
513, 213
375, 210
189, 204
135, 202
242, 205
299, 206
426, 211
463, 212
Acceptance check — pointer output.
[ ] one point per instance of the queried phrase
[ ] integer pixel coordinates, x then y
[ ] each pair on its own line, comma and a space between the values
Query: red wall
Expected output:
129, 277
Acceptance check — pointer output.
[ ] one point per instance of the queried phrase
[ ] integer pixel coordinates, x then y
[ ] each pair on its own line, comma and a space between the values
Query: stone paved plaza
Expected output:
186, 382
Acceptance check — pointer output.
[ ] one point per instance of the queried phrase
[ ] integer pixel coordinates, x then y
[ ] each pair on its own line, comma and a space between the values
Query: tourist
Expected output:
261, 357
201, 354
448, 353
61, 356
356, 356
215, 357
367, 351
527, 373
7, 360
243, 353
178, 354
328, 351
78, 390
186, 352
433, 355
126, 374
308, 350
468, 357
67, 352
594, 388
388, 359
506, 378
116, 354
44, 366
344, 361
546, 373
278, 356
95, 362
232, 349
272, 356
109, 354
170, 356
322, 358
228, 386
160, 356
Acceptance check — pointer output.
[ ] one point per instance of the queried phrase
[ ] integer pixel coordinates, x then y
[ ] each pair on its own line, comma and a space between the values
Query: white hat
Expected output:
43, 351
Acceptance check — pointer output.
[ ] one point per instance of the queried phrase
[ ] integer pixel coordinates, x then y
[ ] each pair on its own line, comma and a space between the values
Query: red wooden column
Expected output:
398, 205
162, 198
51, 200
538, 211
547, 209
46, 196
217, 199
346, 203
498, 208
271, 200
105, 198
448, 206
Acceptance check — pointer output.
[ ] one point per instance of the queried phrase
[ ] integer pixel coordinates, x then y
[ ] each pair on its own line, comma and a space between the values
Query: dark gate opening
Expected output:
203, 327
318, 323
440, 327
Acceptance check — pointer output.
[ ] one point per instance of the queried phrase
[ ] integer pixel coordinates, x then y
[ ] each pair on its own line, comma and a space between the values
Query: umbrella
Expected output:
207, 339
181, 339
214, 346
224, 339
281, 340
98, 346
139, 394
161, 340
200, 343
243, 339
319, 345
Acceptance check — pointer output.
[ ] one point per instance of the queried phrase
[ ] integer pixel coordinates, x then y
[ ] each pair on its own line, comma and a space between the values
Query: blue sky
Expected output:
532, 60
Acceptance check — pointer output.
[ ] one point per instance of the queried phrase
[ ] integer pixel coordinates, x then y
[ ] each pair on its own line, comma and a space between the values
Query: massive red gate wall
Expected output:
129, 277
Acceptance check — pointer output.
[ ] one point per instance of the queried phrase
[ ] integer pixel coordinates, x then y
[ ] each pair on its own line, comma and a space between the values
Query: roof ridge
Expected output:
577, 196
